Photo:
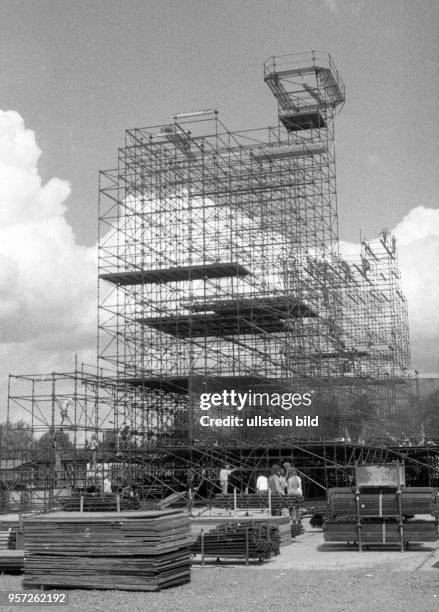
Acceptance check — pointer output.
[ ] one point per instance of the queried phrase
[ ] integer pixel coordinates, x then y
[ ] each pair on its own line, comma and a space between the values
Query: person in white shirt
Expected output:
107, 485
224, 478
262, 484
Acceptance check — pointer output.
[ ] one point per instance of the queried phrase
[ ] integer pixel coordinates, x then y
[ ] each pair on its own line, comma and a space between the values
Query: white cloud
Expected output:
420, 223
418, 240
47, 280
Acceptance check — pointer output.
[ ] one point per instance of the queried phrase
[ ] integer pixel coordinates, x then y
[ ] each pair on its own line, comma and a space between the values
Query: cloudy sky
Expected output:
74, 75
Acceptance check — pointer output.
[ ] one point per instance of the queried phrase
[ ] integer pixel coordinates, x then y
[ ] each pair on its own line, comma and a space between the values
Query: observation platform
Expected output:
176, 274
306, 86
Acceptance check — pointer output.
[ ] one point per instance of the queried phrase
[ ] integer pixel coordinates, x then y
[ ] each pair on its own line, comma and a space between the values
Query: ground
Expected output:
307, 576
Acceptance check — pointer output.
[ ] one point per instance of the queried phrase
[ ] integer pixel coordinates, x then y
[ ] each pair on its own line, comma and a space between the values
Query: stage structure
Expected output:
220, 271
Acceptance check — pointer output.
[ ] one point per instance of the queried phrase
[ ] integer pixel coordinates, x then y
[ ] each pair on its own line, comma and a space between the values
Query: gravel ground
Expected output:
242, 589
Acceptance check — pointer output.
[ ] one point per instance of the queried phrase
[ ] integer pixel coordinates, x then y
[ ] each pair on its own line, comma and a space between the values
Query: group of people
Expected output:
282, 481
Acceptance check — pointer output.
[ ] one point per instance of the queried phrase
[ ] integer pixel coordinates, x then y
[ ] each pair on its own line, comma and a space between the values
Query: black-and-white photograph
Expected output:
219, 305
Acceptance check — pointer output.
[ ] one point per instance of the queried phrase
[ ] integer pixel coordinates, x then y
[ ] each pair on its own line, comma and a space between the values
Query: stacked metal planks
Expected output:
239, 541
414, 500
5, 539
144, 551
254, 500
11, 560
208, 523
381, 515
382, 532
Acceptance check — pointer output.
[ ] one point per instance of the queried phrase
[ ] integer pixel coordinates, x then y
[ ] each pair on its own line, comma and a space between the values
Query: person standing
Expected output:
224, 478
274, 482
93, 448
262, 484
294, 484
64, 411
107, 484
283, 480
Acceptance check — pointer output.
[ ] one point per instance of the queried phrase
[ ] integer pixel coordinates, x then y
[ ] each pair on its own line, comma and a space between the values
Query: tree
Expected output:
51, 441
15, 439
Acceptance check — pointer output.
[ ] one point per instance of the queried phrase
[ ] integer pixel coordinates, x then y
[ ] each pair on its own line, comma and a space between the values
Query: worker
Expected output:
224, 478
64, 410
346, 270
125, 436
286, 466
274, 482
93, 447
283, 480
262, 484
365, 265
107, 484
294, 483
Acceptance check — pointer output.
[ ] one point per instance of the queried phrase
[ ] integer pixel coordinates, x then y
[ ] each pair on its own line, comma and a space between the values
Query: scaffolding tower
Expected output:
219, 271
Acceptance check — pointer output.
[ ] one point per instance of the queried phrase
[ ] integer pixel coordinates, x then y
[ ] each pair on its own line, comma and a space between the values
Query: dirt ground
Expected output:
308, 575
242, 589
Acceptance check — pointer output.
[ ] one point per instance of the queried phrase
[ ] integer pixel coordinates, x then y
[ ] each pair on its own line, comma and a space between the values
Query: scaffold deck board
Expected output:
180, 273
302, 121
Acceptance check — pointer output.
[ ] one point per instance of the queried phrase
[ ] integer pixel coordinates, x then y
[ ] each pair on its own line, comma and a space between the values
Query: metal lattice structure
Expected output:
219, 263
219, 270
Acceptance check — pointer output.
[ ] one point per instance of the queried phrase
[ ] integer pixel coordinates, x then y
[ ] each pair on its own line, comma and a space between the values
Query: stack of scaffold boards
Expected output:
275, 503
11, 560
381, 515
211, 523
145, 551
248, 540
243, 502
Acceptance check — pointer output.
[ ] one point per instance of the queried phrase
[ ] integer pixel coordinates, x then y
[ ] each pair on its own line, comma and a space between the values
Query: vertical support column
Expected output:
202, 547
54, 451
358, 508
400, 516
